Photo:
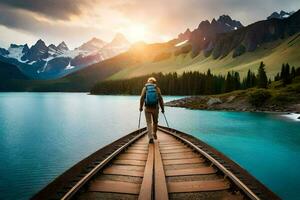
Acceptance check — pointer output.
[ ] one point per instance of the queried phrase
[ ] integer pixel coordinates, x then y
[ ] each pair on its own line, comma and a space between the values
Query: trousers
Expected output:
151, 116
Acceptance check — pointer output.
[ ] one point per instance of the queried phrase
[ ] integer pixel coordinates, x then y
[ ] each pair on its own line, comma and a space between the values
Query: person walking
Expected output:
151, 99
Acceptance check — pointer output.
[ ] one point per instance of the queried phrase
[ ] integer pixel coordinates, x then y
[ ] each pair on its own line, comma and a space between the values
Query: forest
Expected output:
196, 83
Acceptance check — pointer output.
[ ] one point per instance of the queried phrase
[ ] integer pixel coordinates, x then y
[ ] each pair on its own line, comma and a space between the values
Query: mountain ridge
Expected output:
51, 62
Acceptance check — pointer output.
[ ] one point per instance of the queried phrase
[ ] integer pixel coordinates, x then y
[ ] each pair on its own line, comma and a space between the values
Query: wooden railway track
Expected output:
171, 168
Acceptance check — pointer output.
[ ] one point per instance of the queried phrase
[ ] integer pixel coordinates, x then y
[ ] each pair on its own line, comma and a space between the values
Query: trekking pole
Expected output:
166, 120
139, 120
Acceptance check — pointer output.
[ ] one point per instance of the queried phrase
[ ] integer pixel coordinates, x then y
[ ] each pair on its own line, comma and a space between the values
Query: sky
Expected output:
77, 21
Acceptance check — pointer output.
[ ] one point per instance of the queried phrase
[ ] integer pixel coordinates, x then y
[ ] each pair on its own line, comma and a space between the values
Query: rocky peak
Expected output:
94, 44
281, 15
62, 46
25, 48
37, 52
226, 20
204, 24
119, 39
40, 44
52, 46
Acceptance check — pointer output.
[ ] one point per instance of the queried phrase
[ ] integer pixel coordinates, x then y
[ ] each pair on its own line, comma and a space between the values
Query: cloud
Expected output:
56, 9
76, 20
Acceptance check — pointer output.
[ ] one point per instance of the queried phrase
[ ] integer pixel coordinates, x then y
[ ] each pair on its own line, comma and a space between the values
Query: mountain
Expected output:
281, 15
8, 75
94, 44
201, 37
51, 62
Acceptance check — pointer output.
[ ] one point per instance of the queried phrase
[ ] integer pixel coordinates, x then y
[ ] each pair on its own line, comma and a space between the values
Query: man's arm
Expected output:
160, 99
142, 99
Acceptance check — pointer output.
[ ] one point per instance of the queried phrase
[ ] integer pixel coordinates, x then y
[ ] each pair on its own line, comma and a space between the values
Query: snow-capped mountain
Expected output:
281, 15
49, 62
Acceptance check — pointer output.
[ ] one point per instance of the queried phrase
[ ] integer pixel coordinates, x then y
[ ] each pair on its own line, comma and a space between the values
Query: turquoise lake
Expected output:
43, 134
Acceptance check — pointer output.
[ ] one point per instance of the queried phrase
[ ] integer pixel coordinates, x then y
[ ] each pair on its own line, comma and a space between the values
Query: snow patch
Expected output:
16, 53
69, 66
181, 43
31, 63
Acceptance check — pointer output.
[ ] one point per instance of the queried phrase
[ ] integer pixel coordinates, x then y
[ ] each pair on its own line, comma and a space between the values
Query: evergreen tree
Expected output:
298, 71
293, 73
277, 77
282, 73
228, 83
285, 74
262, 80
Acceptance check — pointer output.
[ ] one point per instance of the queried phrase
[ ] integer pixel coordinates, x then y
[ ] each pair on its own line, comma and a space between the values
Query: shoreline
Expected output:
231, 104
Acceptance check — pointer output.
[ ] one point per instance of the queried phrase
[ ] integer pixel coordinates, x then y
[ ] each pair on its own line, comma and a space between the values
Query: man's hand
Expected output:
141, 109
163, 110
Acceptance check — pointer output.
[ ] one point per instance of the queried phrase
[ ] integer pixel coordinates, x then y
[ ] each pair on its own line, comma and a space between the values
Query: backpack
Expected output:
151, 98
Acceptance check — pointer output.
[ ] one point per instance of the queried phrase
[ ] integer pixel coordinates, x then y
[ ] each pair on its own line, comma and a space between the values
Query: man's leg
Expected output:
148, 117
155, 122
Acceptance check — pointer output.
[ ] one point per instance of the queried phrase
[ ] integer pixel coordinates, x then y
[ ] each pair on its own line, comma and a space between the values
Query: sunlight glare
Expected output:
137, 32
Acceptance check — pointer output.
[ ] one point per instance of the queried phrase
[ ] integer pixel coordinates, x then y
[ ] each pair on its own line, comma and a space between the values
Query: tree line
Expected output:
192, 83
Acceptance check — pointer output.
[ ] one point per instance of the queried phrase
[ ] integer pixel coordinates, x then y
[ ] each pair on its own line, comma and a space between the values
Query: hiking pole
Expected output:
166, 120
139, 120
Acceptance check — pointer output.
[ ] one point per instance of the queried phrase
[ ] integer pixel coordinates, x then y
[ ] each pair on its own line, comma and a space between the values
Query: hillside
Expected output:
8, 75
273, 54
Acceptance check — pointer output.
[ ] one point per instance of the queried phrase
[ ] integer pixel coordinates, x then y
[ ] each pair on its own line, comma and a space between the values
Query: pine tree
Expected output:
282, 73
293, 73
277, 77
286, 76
298, 71
262, 81
228, 84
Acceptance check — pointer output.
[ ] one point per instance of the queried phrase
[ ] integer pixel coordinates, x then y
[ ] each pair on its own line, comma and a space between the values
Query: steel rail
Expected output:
228, 173
89, 175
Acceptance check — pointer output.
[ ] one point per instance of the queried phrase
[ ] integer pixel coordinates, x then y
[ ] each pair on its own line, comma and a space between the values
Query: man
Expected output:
150, 98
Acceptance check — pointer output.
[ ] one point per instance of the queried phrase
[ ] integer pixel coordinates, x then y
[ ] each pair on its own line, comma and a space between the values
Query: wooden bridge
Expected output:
176, 166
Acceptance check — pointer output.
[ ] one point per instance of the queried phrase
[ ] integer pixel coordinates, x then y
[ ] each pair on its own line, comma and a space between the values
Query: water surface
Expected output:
43, 134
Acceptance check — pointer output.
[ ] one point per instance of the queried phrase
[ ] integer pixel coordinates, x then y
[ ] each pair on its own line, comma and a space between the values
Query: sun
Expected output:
137, 32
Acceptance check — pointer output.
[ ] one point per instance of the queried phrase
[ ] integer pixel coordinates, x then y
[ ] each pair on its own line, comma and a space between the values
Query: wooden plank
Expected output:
137, 148
146, 187
191, 171
132, 156
128, 167
116, 171
137, 151
197, 186
114, 186
170, 144
183, 161
176, 150
161, 191
130, 162
170, 148
181, 156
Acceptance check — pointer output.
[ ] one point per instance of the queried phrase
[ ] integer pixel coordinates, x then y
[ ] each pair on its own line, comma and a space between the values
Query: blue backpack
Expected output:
151, 99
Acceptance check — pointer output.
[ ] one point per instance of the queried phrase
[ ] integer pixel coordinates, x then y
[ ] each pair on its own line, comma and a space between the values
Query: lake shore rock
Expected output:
229, 103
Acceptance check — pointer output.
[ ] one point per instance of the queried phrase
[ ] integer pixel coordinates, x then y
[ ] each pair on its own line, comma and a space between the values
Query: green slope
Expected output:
273, 54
